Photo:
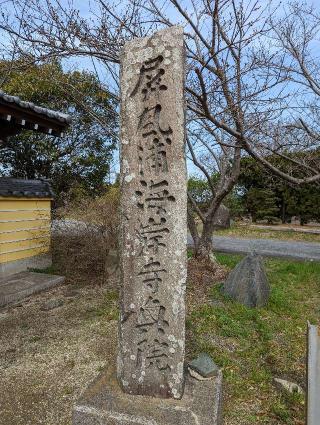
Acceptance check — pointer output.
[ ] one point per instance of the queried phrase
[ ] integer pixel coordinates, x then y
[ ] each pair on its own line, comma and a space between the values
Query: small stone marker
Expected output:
288, 386
204, 366
248, 283
154, 216
51, 304
221, 218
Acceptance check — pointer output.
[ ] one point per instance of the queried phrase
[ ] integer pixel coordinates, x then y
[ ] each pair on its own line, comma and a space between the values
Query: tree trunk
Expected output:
192, 226
204, 247
283, 211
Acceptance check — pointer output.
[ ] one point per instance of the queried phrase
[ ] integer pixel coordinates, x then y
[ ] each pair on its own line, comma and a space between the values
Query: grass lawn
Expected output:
255, 345
256, 233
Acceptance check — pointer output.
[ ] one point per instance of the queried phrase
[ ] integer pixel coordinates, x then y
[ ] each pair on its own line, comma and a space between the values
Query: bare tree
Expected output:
297, 36
243, 97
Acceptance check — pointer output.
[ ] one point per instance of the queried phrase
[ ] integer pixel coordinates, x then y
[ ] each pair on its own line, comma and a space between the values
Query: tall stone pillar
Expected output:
153, 216
151, 385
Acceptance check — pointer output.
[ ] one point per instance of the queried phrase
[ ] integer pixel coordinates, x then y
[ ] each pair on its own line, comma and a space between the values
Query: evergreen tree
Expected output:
290, 200
81, 158
262, 205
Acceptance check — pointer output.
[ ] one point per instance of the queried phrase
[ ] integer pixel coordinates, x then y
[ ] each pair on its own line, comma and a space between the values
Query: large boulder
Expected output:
248, 283
222, 218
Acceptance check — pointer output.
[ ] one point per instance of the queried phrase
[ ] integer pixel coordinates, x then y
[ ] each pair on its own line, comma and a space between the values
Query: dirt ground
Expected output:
48, 357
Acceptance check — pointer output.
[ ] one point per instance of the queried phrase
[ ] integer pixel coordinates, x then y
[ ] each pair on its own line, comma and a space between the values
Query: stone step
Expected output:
18, 286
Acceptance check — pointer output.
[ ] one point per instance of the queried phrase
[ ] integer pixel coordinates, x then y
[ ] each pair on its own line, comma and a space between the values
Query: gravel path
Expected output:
267, 247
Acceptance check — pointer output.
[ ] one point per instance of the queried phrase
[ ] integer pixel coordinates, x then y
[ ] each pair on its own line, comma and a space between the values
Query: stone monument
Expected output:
151, 385
221, 219
248, 283
154, 216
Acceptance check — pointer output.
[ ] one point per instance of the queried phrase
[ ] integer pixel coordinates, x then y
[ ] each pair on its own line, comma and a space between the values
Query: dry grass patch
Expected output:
48, 357
240, 231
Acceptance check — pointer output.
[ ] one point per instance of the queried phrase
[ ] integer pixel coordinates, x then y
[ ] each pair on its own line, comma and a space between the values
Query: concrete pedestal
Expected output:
18, 286
104, 403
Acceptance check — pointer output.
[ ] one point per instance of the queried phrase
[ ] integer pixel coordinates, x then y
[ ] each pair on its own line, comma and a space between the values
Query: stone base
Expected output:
18, 286
41, 261
104, 403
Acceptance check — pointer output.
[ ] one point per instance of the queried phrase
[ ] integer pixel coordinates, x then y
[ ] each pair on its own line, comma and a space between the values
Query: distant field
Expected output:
241, 231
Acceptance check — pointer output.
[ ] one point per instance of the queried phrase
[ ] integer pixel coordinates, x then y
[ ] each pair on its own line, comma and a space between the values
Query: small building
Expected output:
25, 205
25, 220
17, 115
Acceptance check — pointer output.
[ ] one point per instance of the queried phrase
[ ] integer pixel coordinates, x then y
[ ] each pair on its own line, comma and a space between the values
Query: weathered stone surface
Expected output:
112, 264
291, 387
204, 365
18, 286
51, 304
153, 216
248, 283
222, 218
104, 403
71, 293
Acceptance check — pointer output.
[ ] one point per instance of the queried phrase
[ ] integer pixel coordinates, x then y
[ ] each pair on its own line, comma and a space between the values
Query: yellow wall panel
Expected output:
19, 255
24, 228
20, 225
12, 205
24, 234
22, 244
23, 215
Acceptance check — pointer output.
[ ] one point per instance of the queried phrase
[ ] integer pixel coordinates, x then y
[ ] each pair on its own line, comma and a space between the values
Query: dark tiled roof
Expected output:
20, 188
64, 118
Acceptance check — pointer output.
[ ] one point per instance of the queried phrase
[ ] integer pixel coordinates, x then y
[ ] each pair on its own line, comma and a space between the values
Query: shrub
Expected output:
85, 237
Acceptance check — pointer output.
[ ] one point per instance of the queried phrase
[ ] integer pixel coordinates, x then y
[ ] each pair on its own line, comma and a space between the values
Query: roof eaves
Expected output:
64, 118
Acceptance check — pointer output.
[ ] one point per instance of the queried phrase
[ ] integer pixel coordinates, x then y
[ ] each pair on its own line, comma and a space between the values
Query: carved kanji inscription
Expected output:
153, 225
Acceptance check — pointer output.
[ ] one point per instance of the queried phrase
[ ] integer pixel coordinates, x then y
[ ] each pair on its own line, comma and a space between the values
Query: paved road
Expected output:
267, 247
